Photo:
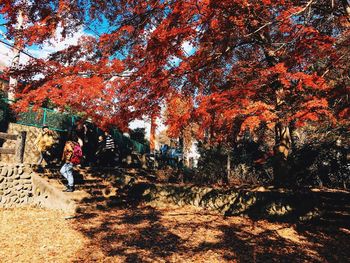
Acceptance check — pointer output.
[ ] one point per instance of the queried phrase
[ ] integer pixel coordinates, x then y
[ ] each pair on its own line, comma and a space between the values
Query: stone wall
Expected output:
31, 154
15, 185
21, 186
274, 204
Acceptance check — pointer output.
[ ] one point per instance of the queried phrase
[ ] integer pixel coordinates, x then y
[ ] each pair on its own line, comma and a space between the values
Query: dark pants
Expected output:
46, 155
109, 158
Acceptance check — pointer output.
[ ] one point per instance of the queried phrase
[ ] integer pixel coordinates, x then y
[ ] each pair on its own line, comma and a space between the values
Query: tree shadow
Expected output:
125, 229
244, 246
144, 233
135, 232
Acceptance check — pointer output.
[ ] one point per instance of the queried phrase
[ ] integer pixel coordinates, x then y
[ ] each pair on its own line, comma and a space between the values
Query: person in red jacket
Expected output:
68, 159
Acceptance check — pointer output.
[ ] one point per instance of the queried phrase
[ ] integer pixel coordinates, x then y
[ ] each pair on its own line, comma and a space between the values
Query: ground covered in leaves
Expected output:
163, 234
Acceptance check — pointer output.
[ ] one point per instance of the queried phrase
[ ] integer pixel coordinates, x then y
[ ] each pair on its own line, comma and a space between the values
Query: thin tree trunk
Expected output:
283, 143
228, 167
153, 134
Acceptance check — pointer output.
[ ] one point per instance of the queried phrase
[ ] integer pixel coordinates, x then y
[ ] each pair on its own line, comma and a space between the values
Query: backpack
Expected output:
77, 154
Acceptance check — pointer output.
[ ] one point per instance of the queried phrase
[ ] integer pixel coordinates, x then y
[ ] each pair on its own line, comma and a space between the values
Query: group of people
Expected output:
170, 156
78, 149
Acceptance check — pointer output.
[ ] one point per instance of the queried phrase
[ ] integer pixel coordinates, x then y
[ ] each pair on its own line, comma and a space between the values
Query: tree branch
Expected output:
273, 22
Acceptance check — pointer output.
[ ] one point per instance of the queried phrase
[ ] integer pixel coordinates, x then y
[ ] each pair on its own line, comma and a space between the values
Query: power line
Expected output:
12, 46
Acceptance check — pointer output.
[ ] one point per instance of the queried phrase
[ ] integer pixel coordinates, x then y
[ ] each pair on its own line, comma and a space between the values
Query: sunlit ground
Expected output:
165, 234
36, 235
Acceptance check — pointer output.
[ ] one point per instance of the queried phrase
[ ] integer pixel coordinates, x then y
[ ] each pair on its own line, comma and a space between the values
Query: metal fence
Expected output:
63, 122
56, 121
129, 144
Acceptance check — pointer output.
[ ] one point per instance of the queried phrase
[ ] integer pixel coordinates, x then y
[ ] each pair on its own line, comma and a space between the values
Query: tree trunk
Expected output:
228, 165
226, 176
152, 139
283, 142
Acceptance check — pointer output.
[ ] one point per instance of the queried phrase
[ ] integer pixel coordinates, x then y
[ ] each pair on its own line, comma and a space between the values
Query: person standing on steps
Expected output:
72, 154
99, 154
44, 142
109, 149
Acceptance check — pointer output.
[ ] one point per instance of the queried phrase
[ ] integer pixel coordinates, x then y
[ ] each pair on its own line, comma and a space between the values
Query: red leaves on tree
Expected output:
225, 65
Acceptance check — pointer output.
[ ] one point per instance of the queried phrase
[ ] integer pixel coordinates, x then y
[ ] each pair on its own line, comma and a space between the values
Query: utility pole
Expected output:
16, 50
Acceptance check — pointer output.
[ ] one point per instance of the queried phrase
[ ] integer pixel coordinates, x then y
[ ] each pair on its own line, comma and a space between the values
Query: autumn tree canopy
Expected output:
235, 64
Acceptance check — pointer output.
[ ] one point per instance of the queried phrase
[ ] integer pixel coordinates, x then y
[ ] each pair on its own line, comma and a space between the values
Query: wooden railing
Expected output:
18, 151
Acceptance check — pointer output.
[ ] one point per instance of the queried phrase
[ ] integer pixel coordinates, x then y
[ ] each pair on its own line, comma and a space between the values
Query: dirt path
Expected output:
163, 234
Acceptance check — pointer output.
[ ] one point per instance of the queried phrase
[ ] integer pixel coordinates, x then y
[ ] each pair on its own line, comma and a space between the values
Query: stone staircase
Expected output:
95, 187
101, 189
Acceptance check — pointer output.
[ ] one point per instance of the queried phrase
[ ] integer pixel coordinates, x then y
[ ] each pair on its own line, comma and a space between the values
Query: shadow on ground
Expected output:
128, 219
132, 231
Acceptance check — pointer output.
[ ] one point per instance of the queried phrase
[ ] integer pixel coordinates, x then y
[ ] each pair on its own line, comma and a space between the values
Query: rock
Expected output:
197, 200
18, 187
27, 169
9, 171
13, 194
20, 171
14, 199
162, 193
310, 215
4, 172
26, 176
28, 187
20, 168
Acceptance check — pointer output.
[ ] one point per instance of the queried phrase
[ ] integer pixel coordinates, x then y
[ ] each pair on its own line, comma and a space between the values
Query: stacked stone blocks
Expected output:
15, 185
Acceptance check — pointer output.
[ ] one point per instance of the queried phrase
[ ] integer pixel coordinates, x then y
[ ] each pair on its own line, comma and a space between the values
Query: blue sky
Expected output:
96, 28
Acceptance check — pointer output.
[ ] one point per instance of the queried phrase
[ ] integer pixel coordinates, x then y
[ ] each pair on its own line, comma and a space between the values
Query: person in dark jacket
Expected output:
99, 154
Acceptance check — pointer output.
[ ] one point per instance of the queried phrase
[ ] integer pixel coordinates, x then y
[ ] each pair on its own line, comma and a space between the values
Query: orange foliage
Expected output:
226, 65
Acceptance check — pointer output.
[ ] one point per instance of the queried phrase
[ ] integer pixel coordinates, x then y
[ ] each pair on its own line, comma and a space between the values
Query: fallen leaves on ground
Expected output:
163, 234
37, 235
